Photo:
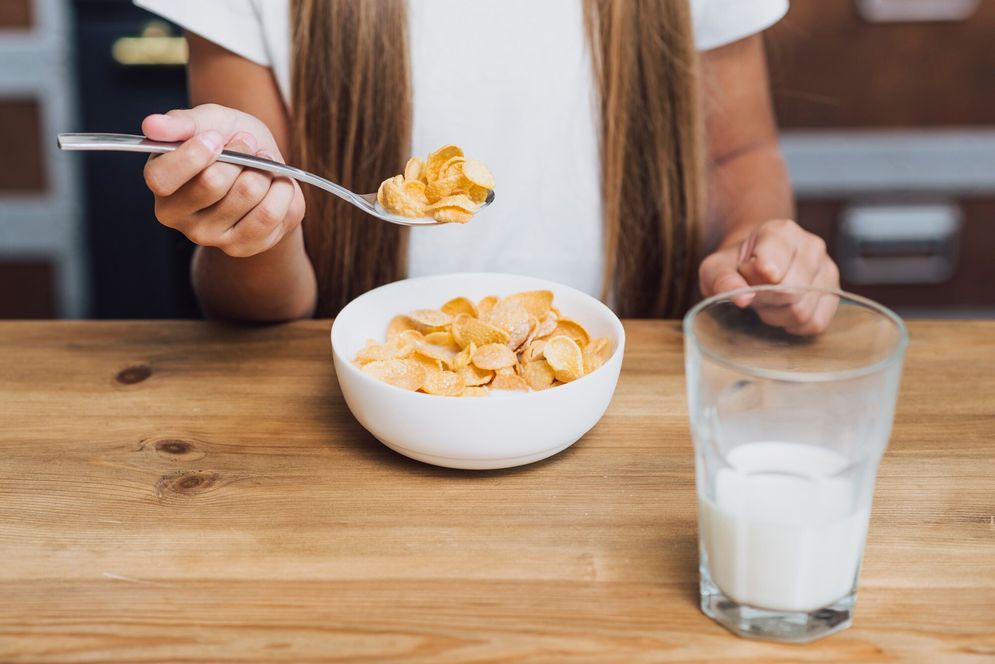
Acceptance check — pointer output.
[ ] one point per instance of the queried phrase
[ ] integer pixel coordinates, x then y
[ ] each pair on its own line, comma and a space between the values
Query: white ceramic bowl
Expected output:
497, 431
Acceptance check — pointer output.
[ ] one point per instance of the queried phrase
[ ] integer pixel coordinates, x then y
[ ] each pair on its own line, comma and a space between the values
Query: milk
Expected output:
782, 533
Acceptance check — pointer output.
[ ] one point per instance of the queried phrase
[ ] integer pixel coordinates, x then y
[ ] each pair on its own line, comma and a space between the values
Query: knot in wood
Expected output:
187, 483
177, 447
133, 374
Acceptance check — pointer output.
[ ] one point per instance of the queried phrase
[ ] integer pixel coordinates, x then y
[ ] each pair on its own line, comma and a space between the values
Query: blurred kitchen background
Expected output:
887, 109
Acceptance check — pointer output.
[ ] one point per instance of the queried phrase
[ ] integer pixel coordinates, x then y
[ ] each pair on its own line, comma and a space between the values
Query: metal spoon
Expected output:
130, 143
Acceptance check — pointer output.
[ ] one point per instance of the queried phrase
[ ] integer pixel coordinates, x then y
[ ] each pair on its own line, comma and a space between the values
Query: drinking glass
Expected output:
788, 431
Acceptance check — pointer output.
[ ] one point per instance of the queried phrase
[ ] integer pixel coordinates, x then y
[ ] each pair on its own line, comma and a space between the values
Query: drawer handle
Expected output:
899, 244
904, 11
156, 47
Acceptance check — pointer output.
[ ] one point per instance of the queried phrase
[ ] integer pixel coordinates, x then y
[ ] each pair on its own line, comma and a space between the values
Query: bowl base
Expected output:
476, 464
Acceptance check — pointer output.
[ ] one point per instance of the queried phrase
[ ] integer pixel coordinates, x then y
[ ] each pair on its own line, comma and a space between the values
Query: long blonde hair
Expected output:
352, 124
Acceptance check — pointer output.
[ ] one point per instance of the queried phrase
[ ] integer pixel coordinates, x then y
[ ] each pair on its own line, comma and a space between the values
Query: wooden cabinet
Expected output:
832, 68
897, 115
16, 15
20, 134
970, 287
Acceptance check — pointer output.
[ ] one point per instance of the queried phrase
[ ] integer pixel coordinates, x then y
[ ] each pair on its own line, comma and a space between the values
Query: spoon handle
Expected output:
132, 143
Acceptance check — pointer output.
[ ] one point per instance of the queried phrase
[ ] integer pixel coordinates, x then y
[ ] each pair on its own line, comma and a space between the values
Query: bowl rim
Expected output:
565, 389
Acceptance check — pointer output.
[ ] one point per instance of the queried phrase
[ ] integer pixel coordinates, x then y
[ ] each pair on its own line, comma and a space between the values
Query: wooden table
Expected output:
189, 491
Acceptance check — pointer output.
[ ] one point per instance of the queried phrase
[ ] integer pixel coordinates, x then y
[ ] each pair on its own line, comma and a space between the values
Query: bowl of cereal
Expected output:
477, 370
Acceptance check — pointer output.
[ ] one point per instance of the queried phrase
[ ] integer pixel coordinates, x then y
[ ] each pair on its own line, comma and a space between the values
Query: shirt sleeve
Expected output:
721, 22
234, 25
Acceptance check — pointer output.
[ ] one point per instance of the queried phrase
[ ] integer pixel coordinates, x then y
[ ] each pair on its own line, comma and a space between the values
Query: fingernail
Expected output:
265, 154
248, 139
213, 140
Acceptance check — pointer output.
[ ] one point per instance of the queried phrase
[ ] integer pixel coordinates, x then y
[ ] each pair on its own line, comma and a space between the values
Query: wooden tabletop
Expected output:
191, 491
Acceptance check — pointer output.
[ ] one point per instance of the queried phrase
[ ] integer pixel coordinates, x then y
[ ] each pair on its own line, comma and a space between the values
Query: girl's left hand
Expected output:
777, 252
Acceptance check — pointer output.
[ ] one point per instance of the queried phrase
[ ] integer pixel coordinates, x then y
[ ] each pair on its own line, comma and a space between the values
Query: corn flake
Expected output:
439, 186
399, 324
460, 305
440, 338
494, 356
430, 319
467, 330
477, 174
408, 374
509, 382
413, 170
444, 383
573, 329
474, 376
538, 374
565, 358
486, 304
517, 343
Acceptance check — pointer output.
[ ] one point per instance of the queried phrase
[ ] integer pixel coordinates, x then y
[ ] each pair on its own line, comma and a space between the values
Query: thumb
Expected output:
720, 274
183, 124
171, 128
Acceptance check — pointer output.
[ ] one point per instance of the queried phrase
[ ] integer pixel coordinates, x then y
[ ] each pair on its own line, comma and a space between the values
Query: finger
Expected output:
165, 174
204, 189
793, 313
827, 278
802, 273
820, 319
169, 128
806, 312
772, 254
248, 190
808, 260
718, 274
183, 124
265, 224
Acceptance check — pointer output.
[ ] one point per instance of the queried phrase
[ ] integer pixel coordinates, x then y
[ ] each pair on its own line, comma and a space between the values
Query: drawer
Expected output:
930, 269
831, 67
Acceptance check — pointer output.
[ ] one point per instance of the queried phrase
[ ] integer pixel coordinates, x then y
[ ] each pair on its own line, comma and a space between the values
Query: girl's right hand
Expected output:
241, 211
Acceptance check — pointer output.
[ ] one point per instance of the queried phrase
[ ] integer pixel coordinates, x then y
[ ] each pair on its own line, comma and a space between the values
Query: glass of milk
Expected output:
788, 430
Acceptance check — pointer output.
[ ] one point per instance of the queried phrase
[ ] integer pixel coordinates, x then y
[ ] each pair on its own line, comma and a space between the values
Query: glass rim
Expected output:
801, 377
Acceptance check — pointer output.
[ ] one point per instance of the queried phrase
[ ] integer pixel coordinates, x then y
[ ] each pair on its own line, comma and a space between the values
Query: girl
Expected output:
621, 156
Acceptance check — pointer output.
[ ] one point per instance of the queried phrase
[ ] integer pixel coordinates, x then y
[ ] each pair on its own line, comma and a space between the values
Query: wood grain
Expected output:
832, 69
198, 492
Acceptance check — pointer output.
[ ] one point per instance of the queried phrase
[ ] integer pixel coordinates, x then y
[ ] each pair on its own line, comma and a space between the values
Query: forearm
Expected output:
278, 284
746, 189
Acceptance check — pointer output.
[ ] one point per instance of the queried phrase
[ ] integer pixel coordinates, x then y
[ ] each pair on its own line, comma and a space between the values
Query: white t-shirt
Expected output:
517, 94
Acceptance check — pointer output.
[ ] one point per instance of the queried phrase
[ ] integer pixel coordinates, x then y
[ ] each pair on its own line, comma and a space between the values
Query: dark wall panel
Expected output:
27, 289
